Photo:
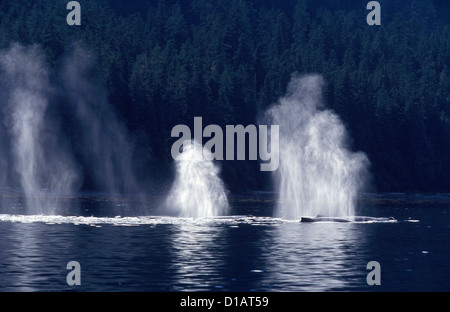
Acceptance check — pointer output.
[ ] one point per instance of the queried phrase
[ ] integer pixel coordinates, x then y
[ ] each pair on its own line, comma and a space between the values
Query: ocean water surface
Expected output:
120, 248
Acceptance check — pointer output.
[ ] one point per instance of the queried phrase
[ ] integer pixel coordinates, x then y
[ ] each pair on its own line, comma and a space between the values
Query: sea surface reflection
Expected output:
314, 257
234, 253
198, 257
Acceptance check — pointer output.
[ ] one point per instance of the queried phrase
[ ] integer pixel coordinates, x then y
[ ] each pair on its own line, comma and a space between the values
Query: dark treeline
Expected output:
164, 62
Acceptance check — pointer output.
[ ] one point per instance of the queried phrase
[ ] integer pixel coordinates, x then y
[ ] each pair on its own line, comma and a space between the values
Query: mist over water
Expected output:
39, 159
318, 174
105, 147
43, 168
198, 191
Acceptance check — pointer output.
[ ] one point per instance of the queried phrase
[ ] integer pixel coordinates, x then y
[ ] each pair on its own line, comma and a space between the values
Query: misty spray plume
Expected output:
197, 191
47, 162
317, 174
41, 163
105, 148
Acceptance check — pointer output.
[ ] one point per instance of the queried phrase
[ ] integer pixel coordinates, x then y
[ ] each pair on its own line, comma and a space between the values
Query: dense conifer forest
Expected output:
164, 62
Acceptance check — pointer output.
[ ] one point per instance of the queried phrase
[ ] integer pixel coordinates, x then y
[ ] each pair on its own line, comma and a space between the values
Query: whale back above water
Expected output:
347, 219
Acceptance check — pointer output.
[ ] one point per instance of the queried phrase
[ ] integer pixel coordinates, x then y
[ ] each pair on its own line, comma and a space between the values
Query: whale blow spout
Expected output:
317, 174
198, 191
43, 166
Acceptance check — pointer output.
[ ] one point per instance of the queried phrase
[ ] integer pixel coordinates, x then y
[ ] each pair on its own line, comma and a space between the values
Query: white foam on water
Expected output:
137, 221
231, 221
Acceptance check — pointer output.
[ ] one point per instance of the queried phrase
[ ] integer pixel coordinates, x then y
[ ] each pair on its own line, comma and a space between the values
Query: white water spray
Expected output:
106, 148
198, 191
44, 169
42, 156
317, 175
